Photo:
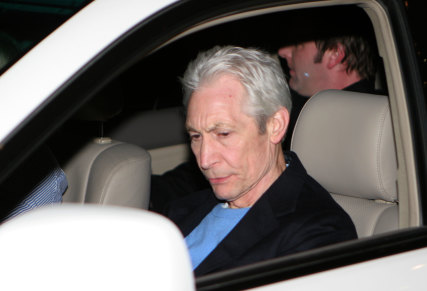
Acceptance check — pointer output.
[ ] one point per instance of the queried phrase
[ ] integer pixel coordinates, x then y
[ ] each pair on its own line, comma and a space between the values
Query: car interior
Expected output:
137, 109
351, 143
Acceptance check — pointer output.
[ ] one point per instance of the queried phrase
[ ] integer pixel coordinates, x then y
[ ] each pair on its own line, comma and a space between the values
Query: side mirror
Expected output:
89, 247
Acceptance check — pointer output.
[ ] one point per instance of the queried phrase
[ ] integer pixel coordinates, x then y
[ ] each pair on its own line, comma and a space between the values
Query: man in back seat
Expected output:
344, 62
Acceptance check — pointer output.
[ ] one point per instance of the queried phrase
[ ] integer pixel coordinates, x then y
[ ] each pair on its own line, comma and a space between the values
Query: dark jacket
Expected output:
294, 214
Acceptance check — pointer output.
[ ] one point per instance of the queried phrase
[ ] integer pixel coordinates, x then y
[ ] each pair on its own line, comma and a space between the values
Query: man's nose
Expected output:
285, 52
207, 155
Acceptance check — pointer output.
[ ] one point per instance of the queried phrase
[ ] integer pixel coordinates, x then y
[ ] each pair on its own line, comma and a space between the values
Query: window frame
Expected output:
129, 49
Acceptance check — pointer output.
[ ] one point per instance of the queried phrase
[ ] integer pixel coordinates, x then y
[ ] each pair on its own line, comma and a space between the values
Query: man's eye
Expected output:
224, 134
194, 137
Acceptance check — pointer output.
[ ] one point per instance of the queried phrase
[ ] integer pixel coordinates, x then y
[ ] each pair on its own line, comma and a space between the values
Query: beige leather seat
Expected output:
109, 172
345, 141
165, 127
105, 171
162, 132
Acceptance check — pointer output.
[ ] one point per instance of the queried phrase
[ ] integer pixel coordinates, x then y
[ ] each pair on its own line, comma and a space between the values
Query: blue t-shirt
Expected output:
212, 230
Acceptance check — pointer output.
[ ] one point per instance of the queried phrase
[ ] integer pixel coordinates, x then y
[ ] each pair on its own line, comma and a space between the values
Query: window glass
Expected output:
25, 23
418, 23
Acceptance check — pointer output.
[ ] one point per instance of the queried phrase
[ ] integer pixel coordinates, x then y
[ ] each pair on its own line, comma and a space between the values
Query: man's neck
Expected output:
342, 80
263, 184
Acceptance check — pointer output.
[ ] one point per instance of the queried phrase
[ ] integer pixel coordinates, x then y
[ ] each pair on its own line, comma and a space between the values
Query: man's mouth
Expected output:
220, 180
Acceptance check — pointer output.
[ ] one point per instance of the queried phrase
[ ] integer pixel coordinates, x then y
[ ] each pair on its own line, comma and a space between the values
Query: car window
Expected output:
152, 85
23, 24
142, 77
417, 23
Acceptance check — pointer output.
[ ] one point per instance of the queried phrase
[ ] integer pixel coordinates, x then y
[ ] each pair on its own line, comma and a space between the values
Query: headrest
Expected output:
345, 141
137, 127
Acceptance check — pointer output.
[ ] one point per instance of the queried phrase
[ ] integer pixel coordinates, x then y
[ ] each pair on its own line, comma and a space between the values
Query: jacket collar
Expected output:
262, 219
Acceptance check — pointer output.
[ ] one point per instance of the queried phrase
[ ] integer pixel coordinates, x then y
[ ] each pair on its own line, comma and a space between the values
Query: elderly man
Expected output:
262, 203
344, 61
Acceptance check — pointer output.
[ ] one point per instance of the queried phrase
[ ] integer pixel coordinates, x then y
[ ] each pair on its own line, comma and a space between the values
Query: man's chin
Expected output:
292, 84
222, 194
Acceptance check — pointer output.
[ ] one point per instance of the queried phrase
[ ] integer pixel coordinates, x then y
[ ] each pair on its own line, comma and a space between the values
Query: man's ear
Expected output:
278, 125
335, 56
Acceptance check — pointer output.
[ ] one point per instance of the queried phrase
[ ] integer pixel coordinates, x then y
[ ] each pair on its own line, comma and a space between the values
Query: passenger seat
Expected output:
345, 141
162, 132
110, 173
103, 170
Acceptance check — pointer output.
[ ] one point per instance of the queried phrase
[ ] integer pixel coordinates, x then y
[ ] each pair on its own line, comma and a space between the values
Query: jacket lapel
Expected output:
279, 200
239, 241
189, 212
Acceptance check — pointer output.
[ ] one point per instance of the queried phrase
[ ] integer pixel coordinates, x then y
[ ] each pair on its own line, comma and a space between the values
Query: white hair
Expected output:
259, 72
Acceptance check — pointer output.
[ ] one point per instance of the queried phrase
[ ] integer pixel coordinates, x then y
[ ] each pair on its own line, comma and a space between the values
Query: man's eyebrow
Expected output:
211, 128
217, 125
189, 128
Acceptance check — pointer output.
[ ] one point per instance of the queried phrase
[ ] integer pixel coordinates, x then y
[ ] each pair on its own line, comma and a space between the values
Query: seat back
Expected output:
168, 139
109, 172
345, 140
165, 127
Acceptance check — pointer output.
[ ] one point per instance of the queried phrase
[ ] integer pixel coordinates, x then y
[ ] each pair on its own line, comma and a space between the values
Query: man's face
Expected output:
306, 76
230, 151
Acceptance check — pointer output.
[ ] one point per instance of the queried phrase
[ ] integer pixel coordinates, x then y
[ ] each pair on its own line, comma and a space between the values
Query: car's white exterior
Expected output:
35, 254
76, 247
31, 82
405, 271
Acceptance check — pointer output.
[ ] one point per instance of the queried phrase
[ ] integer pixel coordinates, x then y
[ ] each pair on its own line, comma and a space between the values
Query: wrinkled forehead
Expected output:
225, 98
219, 86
